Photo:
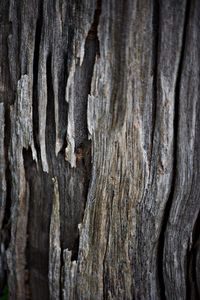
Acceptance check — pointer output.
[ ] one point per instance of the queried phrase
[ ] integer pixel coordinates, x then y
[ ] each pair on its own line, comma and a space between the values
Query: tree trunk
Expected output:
99, 149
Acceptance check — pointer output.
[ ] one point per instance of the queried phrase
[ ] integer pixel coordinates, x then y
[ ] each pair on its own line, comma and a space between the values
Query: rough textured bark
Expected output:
99, 149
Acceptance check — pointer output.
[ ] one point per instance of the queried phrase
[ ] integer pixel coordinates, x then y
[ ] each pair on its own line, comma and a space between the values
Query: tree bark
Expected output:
99, 149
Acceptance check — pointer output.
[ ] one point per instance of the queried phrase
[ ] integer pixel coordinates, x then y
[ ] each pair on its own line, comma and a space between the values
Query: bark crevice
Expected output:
63, 105
166, 214
41, 188
29, 164
50, 129
84, 79
8, 176
82, 144
36, 56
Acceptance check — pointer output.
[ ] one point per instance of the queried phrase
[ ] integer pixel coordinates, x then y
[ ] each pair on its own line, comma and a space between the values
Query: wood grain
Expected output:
99, 149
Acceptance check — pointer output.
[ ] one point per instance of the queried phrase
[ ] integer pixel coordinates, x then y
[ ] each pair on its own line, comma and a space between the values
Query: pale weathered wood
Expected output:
99, 149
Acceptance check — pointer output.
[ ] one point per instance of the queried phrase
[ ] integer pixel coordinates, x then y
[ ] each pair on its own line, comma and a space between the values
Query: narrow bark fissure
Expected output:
50, 129
117, 106
38, 34
82, 144
93, 32
8, 176
84, 79
29, 165
166, 214
83, 160
63, 105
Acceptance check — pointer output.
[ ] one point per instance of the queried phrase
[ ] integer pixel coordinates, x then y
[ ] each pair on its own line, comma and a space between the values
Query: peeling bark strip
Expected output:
99, 149
55, 250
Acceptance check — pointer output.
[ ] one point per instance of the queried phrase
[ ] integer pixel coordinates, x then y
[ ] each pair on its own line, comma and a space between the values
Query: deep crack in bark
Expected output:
82, 144
38, 33
8, 176
41, 193
50, 128
168, 206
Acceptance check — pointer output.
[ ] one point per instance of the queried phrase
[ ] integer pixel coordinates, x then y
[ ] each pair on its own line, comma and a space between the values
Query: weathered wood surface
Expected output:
99, 149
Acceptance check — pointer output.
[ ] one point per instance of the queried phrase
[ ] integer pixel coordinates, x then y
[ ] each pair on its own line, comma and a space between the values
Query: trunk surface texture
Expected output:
100, 149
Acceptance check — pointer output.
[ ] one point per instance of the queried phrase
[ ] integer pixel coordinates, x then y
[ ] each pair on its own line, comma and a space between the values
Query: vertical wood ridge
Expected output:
185, 206
169, 202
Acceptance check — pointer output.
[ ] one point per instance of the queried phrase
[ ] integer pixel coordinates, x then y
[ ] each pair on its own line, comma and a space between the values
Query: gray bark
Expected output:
99, 149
